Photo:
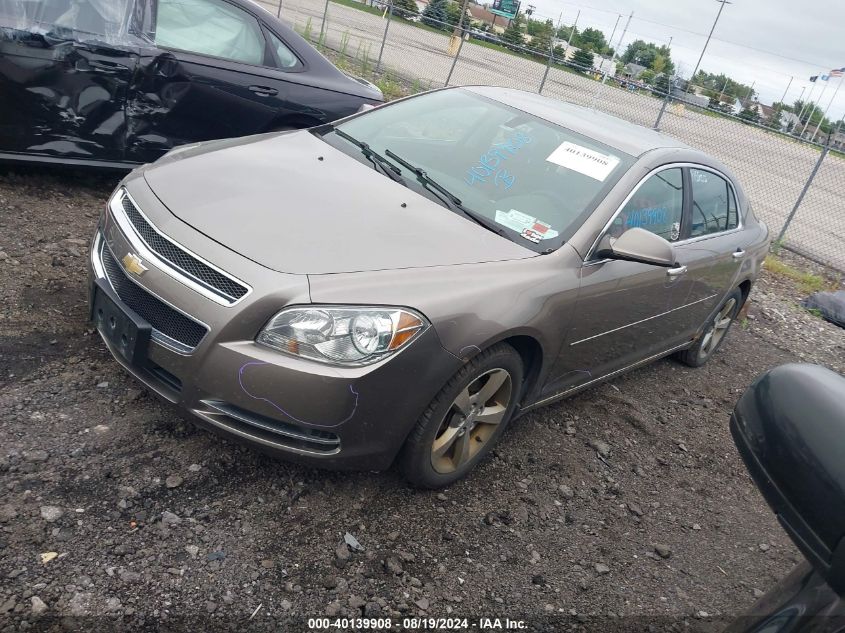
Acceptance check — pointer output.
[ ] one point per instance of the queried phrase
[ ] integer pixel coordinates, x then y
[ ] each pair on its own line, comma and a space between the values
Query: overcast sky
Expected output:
761, 41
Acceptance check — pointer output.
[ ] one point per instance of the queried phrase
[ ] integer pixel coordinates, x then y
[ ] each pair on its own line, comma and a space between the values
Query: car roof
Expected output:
622, 135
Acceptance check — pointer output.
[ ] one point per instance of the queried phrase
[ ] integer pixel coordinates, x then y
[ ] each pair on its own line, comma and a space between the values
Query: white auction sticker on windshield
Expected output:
583, 160
526, 225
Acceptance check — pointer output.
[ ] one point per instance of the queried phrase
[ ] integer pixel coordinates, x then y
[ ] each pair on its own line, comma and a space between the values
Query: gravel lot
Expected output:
627, 500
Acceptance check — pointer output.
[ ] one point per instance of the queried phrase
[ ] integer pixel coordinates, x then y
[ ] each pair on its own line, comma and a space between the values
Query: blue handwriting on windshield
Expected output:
489, 164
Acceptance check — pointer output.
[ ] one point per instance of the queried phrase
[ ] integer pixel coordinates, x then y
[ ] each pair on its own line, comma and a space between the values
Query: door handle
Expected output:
738, 254
264, 91
675, 272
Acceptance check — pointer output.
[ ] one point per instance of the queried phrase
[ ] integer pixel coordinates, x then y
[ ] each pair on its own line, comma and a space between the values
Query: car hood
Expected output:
294, 204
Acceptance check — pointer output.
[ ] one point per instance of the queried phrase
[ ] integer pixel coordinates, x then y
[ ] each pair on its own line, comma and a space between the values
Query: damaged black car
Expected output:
116, 83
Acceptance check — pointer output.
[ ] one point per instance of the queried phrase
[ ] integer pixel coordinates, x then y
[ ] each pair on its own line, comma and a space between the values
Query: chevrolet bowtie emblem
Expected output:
134, 264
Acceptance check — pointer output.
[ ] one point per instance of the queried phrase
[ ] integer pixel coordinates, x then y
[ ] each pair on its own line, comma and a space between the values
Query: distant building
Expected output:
633, 71
692, 98
481, 13
789, 121
763, 111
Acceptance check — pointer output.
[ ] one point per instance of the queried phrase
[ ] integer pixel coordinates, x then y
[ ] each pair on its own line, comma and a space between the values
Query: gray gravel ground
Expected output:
627, 500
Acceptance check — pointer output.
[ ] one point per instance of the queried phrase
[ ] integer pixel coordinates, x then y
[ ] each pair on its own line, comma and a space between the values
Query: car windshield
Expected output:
531, 177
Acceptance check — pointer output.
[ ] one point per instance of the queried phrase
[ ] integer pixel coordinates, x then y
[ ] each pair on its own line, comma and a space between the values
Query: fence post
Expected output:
384, 37
806, 188
323, 23
455, 61
665, 103
546, 73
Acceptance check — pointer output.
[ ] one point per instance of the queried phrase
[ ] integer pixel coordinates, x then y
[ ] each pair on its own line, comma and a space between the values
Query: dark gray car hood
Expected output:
294, 204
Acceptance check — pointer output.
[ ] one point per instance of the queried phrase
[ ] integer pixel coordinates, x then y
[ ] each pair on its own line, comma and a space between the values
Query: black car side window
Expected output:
657, 206
713, 204
285, 56
210, 27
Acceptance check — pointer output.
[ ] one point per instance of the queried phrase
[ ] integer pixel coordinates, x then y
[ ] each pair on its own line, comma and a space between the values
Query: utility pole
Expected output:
722, 4
724, 87
612, 33
749, 94
459, 28
809, 98
613, 59
783, 98
571, 33
826, 110
813, 111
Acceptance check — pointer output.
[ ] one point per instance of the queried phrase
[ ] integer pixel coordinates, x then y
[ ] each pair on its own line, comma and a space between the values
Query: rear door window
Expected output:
210, 27
713, 204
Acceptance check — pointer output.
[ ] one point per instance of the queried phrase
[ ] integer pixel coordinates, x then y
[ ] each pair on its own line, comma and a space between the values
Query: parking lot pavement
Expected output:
771, 167
628, 499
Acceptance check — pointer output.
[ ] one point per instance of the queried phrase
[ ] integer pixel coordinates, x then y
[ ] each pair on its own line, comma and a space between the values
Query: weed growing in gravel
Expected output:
807, 282
306, 30
391, 88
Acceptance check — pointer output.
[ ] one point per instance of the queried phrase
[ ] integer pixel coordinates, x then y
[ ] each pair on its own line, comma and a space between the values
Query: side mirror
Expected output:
638, 245
789, 427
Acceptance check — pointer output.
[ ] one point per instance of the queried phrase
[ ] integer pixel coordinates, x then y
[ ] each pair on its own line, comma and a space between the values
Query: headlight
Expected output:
342, 335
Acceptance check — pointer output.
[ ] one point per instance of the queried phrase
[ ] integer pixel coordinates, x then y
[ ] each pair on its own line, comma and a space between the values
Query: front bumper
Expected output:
335, 417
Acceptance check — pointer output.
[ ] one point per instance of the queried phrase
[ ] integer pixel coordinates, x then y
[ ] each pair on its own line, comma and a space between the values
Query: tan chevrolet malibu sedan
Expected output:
402, 284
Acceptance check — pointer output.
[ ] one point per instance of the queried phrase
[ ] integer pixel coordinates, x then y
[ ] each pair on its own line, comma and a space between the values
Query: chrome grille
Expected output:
186, 263
170, 326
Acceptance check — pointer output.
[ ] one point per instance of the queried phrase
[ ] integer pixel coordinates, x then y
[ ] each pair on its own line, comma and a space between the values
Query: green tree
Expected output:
774, 120
647, 76
583, 59
534, 27
648, 54
453, 13
564, 32
435, 14
662, 83
749, 113
542, 39
513, 34
724, 86
593, 40
405, 8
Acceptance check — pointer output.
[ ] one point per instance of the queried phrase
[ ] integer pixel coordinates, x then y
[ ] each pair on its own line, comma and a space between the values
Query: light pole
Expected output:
722, 4
788, 86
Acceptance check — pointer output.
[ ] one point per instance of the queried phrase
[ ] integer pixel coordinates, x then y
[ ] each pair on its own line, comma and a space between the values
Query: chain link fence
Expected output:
796, 186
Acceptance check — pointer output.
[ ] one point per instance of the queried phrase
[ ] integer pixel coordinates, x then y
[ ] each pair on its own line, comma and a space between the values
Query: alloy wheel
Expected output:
471, 420
718, 329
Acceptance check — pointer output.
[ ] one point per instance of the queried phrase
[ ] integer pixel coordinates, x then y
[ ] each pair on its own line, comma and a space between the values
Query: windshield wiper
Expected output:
453, 200
388, 168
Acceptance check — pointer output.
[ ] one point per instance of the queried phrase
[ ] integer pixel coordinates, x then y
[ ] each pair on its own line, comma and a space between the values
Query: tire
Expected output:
714, 333
457, 430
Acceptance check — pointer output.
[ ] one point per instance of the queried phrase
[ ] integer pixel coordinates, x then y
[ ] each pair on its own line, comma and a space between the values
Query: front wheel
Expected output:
714, 333
465, 420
